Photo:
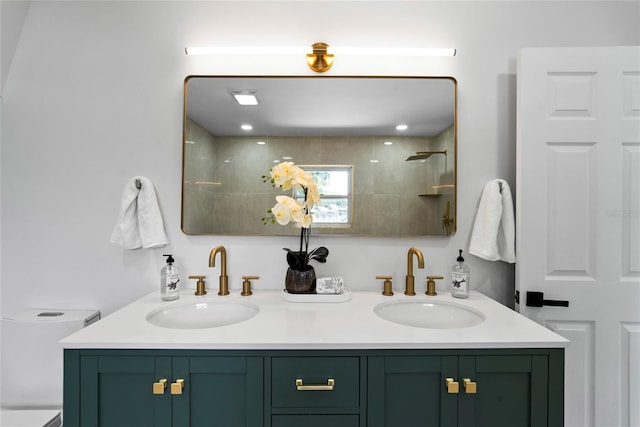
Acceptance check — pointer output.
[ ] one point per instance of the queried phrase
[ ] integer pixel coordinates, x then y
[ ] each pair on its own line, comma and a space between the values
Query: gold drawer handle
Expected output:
452, 386
176, 388
329, 386
160, 386
470, 387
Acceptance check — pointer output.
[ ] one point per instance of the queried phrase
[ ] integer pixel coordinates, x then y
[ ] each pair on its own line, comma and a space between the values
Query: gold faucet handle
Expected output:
388, 286
246, 285
431, 285
200, 286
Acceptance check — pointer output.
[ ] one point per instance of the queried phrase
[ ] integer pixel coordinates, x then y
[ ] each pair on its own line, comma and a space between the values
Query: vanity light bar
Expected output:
246, 50
299, 50
393, 51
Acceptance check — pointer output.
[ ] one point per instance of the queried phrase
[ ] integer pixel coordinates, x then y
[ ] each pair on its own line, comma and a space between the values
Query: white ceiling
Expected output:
323, 105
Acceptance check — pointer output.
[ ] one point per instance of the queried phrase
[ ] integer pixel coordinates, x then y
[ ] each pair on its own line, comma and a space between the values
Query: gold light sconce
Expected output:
320, 61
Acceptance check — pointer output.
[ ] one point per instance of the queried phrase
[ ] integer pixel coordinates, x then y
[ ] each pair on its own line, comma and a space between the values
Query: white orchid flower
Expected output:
281, 213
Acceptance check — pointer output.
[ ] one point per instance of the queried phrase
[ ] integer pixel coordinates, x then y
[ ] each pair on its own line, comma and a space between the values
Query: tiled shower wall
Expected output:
224, 192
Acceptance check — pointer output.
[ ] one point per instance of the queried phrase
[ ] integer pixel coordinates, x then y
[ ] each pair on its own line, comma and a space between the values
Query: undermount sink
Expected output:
201, 315
429, 314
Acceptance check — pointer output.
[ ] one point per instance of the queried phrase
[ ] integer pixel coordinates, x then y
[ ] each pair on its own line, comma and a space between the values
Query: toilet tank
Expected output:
32, 358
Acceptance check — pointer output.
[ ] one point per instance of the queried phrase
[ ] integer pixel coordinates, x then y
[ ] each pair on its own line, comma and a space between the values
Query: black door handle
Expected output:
535, 299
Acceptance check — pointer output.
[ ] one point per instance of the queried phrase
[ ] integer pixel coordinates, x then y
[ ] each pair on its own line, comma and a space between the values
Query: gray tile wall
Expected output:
224, 193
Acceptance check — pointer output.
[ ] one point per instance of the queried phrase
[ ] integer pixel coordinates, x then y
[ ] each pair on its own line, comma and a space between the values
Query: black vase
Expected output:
300, 282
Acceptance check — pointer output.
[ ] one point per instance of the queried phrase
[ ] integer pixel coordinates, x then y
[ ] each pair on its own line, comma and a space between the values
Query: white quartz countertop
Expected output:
288, 325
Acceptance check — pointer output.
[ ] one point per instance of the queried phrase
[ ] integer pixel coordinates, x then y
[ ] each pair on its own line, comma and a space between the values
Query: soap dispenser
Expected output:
460, 278
169, 278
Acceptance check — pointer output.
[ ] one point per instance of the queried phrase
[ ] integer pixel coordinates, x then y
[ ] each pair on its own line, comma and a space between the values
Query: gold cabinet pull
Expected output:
452, 386
470, 387
327, 387
160, 386
176, 388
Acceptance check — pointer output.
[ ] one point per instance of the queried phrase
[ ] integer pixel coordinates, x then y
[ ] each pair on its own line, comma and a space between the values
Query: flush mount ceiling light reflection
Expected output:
246, 97
319, 59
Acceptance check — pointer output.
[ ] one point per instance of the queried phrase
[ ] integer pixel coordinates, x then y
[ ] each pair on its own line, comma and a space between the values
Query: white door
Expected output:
578, 220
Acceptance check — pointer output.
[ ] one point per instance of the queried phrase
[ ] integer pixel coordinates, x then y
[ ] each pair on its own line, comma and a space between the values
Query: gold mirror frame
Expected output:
223, 193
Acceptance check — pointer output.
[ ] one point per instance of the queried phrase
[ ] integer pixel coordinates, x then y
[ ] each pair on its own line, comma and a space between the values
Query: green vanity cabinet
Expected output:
315, 388
115, 388
505, 388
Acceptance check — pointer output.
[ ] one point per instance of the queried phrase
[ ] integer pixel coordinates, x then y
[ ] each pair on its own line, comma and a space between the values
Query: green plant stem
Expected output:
304, 232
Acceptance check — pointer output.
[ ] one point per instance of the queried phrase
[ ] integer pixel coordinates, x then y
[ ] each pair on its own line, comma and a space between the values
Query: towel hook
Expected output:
139, 184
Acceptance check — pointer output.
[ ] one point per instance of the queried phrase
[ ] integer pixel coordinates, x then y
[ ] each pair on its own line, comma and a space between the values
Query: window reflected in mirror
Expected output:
335, 187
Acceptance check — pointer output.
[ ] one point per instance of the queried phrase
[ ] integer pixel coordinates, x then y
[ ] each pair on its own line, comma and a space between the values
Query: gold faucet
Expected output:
410, 288
224, 280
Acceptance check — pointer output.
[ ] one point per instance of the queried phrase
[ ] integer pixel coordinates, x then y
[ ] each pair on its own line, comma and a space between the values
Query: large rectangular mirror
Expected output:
378, 180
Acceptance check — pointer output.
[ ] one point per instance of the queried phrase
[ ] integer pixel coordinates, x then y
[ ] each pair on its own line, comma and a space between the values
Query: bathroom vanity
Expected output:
314, 364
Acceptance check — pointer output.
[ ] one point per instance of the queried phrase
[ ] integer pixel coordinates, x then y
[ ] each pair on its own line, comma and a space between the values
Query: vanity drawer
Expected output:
315, 390
315, 420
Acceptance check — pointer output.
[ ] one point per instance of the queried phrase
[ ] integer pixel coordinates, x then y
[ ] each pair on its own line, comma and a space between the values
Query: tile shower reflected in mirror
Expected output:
402, 182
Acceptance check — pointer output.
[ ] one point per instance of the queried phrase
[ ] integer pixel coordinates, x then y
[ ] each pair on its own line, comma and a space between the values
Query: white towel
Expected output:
493, 235
140, 222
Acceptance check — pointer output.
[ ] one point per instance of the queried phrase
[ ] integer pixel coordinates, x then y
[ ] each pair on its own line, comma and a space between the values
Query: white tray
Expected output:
343, 297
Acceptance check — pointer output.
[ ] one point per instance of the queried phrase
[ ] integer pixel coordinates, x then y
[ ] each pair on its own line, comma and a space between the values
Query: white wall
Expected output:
12, 15
94, 96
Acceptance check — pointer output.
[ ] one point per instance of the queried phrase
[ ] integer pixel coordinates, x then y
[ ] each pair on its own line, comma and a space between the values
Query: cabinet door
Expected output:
218, 391
511, 391
410, 391
117, 391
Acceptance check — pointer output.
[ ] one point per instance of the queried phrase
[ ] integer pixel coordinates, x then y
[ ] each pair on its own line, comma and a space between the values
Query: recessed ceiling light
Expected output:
246, 97
276, 161
227, 161
388, 143
261, 143
374, 161
246, 127
287, 157
402, 127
